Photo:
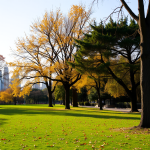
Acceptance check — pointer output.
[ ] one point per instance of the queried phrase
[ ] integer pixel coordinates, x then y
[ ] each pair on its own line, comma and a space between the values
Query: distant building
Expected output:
0, 80
4, 78
43, 86
36, 86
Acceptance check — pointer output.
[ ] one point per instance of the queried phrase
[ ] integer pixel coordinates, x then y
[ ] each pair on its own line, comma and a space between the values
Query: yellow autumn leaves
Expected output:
44, 54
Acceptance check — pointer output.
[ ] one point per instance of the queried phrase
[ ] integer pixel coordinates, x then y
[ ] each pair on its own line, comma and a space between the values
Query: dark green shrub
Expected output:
81, 103
92, 104
87, 103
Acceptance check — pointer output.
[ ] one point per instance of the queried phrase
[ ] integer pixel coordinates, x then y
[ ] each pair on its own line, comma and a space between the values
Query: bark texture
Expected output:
144, 31
144, 26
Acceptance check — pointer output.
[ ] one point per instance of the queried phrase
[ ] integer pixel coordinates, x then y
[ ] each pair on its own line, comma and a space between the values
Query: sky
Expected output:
16, 16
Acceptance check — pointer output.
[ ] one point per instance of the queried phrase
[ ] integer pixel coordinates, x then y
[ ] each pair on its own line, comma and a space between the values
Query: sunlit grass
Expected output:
39, 127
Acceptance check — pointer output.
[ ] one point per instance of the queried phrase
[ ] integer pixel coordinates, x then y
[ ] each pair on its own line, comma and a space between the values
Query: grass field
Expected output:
37, 127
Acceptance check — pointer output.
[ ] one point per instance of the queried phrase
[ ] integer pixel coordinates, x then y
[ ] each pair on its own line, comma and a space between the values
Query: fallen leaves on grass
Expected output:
3, 139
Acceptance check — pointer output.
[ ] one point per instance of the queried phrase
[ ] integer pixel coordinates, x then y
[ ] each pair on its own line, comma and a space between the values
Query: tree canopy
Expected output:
44, 54
112, 49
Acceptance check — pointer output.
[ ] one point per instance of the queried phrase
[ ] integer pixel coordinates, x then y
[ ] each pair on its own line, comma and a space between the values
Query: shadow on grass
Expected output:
2, 121
73, 113
112, 112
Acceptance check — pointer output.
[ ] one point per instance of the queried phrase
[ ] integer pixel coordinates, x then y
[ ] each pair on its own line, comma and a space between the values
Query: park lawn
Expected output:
37, 127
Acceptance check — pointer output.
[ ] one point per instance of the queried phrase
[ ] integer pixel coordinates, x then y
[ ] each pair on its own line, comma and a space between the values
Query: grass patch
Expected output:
29, 127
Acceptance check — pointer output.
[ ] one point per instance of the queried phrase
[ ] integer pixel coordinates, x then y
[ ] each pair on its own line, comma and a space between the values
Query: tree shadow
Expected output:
104, 111
73, 113
2, 121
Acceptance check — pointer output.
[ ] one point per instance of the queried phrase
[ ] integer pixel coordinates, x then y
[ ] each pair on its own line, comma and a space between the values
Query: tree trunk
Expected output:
100, 100
134, 104
49, 97
63, 101
14, 100
144, 30
54, 101
133, 96
75, 97
133, 99
67, 94
145, 86
98, 87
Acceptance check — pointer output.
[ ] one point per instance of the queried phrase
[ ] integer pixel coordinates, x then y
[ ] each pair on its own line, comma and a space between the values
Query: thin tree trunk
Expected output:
49, 97
75, 97
14, 100
133, 96
67, 94
100, 100
98, 86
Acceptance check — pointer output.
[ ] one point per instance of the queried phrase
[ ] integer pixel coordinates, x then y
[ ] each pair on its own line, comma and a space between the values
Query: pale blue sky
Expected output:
16, 16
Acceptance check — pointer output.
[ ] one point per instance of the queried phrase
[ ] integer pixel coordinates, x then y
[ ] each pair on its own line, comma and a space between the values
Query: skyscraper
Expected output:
4, 78
0, 80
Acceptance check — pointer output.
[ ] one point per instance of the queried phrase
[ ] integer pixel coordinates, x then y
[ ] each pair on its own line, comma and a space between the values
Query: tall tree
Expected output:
144, 31
62, 38
108, 43
45, 53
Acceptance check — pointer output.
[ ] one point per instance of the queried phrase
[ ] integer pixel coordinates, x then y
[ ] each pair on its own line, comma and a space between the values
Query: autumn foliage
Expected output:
43, 55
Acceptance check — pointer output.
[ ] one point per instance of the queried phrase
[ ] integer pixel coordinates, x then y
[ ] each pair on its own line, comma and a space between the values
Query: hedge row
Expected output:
86, 104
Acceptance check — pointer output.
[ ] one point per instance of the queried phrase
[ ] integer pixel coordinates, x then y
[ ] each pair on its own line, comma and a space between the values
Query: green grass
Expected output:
37, 127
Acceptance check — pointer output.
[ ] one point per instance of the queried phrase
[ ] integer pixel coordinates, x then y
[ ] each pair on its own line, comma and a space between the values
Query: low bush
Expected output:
81, 103
87, 103
123, 105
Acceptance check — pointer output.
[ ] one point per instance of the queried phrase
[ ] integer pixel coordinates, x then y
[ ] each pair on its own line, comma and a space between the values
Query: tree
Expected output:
114, 88
92, 96
74, 97
8, 96
73, 27
82, 96
45, 53
105, 45
144, 31
36, 96
91, 80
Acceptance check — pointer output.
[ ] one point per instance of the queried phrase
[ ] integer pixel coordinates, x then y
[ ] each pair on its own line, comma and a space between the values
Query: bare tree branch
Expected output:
129, 10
